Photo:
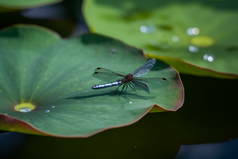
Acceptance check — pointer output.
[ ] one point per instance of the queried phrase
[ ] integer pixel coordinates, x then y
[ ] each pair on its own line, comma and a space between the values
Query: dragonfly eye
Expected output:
164, 79
96, 72
98, 68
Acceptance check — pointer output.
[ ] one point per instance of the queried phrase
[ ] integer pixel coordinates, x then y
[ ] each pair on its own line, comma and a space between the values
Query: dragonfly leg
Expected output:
118, 87
126, 89
122, 89
132, 87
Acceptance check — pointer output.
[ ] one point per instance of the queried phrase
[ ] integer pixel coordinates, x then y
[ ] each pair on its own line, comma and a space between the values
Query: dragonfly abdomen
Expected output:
99, 86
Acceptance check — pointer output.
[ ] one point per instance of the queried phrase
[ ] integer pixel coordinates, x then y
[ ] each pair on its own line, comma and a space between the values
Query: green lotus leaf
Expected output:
195, 37
26, 3
45, 84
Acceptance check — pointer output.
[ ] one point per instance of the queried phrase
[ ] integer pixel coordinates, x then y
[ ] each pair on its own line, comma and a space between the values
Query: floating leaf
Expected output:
196, 37
26, 3
45, 84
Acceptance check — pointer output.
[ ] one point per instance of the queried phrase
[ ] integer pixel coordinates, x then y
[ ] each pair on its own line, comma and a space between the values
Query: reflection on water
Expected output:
222, 150
11, 144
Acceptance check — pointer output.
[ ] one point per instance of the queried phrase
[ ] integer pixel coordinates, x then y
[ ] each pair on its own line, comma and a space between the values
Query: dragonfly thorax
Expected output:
127, 78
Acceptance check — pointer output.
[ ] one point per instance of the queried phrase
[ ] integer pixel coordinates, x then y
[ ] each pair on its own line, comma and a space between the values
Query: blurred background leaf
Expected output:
20, 4
186, 34
64, 17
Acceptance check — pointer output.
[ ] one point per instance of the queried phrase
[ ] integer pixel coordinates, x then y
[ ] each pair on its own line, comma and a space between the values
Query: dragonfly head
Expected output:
94, 87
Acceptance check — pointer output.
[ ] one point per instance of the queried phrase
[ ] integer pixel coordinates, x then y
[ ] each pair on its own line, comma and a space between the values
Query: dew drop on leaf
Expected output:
113, 50
208, 57
147, 29
193, 49
193, 31
25, 110
175, 38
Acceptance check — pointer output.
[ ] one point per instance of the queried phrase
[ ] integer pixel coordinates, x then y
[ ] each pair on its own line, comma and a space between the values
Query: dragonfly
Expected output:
131, 80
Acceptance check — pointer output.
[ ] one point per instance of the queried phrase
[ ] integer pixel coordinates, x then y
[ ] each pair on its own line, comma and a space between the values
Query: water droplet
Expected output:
47, 111
230, 138
130, 102
147, 29
193, 31
209, 57
175, 38
135, 147
113, 50
193, 49
5, 113
53, 106
25, 110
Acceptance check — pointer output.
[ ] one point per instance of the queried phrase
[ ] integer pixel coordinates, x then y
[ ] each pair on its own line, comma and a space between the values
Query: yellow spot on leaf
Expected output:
202, 41
23, 106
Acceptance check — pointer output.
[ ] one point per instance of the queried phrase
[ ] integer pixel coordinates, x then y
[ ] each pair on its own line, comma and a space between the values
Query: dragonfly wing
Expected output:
140, 86
144, 69
107, 75
159, 80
